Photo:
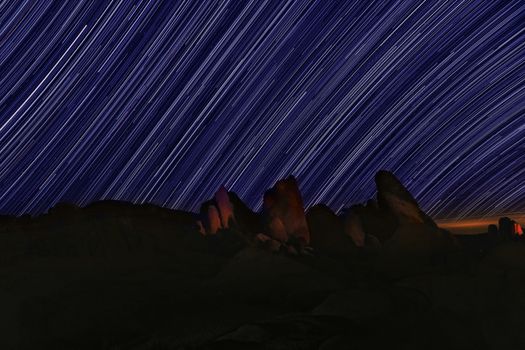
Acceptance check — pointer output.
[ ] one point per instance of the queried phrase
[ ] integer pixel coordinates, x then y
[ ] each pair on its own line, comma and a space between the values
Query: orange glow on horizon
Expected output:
479, 225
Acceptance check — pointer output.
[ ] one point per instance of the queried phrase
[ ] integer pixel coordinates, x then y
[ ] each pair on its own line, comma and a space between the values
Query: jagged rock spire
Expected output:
283, 208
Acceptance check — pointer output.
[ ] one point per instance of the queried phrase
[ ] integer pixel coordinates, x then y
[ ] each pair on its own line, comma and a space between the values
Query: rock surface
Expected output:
326, 231
392, 195
225, 207
377, 222
245, 219
354, 228
212, 219
283, 204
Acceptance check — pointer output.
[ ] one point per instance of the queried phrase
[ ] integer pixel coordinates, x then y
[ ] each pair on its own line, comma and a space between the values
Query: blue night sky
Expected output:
164, 101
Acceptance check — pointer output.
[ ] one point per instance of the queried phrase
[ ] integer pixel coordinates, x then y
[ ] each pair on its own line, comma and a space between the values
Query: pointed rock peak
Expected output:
224, 206
288, 188
245, 219
290, 181
327, 232
393, 196
388, 182
284, 202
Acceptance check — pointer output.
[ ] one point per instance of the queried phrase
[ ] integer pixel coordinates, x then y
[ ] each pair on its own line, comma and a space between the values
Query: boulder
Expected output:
492, 230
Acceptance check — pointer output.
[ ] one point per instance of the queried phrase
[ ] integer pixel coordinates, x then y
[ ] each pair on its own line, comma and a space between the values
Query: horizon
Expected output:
458, 226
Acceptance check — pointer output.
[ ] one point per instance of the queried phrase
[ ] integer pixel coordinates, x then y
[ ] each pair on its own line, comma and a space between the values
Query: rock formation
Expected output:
245, 219
394, 222
378, 222
326, 231
509, 228
218, 213
354, 228
518, 230
277, 229
211, 219
492, 230
283, 222
224, 206
283, 208
392, 195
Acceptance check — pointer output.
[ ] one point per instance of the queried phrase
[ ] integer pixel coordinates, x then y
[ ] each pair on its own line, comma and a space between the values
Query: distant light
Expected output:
518, 229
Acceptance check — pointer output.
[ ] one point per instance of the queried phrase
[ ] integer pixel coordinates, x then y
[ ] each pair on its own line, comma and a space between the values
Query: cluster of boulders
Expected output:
216, 214
284, 224
506, 228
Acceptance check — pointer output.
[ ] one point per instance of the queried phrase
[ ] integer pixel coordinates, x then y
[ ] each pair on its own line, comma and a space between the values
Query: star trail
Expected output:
164, 101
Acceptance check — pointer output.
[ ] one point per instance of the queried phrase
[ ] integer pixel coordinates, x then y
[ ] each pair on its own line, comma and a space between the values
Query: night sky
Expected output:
164, 101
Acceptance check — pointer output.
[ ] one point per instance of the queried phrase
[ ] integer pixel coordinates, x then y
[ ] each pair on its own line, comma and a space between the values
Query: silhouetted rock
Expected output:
416, 247
246, 220
120, 275
492, 230
506, 226
224, 206
326, 231
509, 228
64, 209
378, 222
283, 204
391, 194
106, 229
354, 228
372, 204
518, 229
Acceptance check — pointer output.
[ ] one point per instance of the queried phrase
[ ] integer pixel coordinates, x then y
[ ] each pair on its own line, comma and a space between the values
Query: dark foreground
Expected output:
114, 275
118, 279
